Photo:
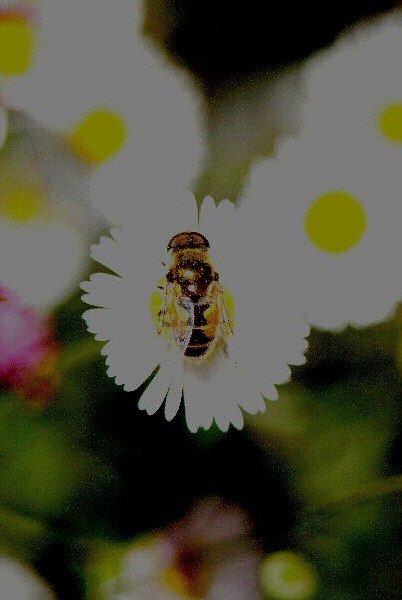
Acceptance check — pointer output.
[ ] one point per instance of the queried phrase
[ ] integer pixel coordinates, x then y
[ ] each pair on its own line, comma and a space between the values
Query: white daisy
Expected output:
46, 219
356, 91
97, 81
19, 582
335, 218
235, 368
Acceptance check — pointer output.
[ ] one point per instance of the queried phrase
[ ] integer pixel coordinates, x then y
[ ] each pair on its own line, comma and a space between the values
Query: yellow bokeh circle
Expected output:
100, 135
390, 122
16, 45
22, 203
335, 222
287, 575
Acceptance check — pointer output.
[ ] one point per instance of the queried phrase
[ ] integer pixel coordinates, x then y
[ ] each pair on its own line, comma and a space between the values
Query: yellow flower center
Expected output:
390, 122
99, 136
22, 203
335, 222
16, 45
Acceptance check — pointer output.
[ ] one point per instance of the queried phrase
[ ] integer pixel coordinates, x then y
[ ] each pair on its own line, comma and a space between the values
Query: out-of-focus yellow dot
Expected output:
390, 122
335, 222
22, 203
99, 136
286, 575
16, 45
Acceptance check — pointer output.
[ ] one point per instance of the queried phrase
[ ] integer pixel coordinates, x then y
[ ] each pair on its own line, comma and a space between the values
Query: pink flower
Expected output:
25, 340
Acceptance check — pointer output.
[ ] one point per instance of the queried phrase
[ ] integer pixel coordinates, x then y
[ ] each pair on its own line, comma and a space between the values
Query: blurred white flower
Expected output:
268, 334
19, 582
356, 91
47, 222
334, 218
210, 554
40, 260
247, 118
96, 80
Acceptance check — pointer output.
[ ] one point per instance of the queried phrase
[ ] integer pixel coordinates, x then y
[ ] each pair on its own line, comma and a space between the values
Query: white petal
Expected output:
103, 290
107, 253
154, 395
207, 213
197, 404
173, 399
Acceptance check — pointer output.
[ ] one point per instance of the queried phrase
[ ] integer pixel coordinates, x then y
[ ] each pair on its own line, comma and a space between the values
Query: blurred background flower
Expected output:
47, 221
19, 582
335, 217
106, 107
26, 340
119, 106
210, 554
355, 92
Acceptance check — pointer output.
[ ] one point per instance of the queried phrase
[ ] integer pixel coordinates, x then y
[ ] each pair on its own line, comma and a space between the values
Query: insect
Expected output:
194, 315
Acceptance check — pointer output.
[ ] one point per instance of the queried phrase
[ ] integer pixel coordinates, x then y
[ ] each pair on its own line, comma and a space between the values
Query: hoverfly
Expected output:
194, 314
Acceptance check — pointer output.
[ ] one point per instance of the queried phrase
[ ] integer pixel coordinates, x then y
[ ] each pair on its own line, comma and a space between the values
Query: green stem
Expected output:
372, 491
82, 352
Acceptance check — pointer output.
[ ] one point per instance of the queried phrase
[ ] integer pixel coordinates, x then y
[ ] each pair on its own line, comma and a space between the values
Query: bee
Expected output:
194, 315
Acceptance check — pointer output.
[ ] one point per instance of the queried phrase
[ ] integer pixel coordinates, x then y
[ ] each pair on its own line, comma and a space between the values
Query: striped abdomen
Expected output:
205, 324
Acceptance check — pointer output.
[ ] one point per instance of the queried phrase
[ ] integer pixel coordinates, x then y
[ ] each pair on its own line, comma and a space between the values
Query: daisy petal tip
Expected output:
95, 247
115, 232
273, 397
98, 336
105, 350
129, 387
140, 406
170, 415
238, 424
261, 404
84, 285
223, 426
192, 427
144, 404
86, 298
302, 361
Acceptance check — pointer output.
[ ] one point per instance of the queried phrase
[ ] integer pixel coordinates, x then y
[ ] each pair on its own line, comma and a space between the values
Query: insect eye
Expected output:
170, 276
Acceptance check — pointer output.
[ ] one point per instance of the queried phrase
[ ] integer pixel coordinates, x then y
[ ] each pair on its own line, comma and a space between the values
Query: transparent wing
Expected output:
177, 319
226, 325
182, 325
